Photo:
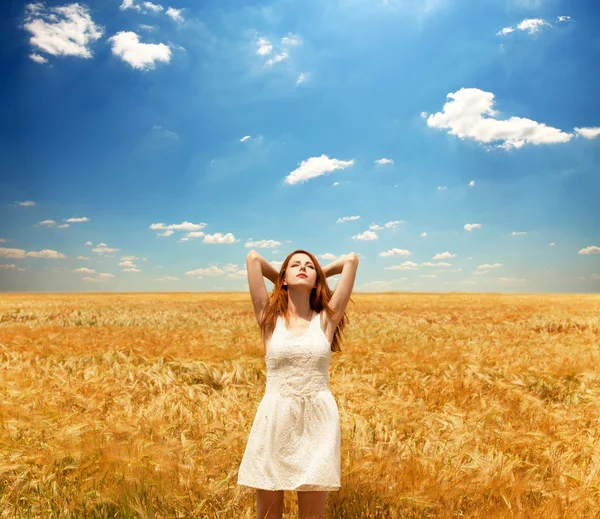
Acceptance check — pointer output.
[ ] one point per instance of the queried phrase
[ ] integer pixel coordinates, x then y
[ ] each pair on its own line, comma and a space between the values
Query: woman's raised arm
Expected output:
268, 270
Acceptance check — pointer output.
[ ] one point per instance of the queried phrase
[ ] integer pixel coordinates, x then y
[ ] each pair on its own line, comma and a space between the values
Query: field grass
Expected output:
451, 405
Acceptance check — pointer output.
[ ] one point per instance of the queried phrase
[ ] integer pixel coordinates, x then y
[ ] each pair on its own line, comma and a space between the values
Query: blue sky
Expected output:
453, 145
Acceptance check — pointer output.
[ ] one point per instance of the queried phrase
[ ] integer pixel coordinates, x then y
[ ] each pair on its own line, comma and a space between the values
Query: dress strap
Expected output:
312, 322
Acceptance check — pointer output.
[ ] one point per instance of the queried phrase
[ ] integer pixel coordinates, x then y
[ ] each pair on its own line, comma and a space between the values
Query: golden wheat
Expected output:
452, 405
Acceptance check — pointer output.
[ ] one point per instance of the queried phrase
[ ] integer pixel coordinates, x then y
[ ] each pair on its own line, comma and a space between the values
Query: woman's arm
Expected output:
268, 270
335, 267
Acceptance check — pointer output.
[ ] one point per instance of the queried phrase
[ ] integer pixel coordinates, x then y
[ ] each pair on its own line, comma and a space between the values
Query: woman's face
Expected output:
301, 264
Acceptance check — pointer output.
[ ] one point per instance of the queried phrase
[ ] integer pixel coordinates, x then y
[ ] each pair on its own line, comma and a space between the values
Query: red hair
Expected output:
320, 295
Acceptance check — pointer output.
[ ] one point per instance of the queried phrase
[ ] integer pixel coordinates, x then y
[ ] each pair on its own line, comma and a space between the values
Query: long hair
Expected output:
320, 295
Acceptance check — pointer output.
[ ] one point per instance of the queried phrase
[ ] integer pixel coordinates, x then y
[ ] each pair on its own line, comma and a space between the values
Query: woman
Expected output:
294, 443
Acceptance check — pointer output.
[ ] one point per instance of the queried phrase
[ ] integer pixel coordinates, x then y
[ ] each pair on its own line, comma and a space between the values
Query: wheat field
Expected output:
451, 405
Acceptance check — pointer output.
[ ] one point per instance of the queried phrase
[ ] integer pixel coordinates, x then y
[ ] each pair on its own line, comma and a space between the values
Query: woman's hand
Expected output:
268, 270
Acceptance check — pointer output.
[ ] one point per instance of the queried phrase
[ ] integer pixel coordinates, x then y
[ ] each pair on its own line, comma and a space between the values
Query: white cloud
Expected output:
82, 219
384, 161
184, 226
347, 219
442, 188
470, 226
49, 223
239, 274
61, 31
264, 47
245, 138
517, 233
277, 58
231, 267
101, 248
262, 244
396, 252
367, 235
28, 203
219, 238
588, 133
38, 58
194, 234
393, 224
175, 14
213, 270
291, 39
423, 235
229, 270
128, 4
11, 253
302, 78
472, 183
85, 270
488, 266
533, 25
552, 244
444, 255
153, 7
315, 167
464, 116
141, 56
7, 266
46, 254
407, 265
506, 30
592, 249
91, 280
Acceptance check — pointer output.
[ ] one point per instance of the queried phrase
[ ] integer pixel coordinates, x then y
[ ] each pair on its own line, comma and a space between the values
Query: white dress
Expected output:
294, 442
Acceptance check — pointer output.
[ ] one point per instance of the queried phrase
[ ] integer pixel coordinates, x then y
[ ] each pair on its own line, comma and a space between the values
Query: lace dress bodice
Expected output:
298, 364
